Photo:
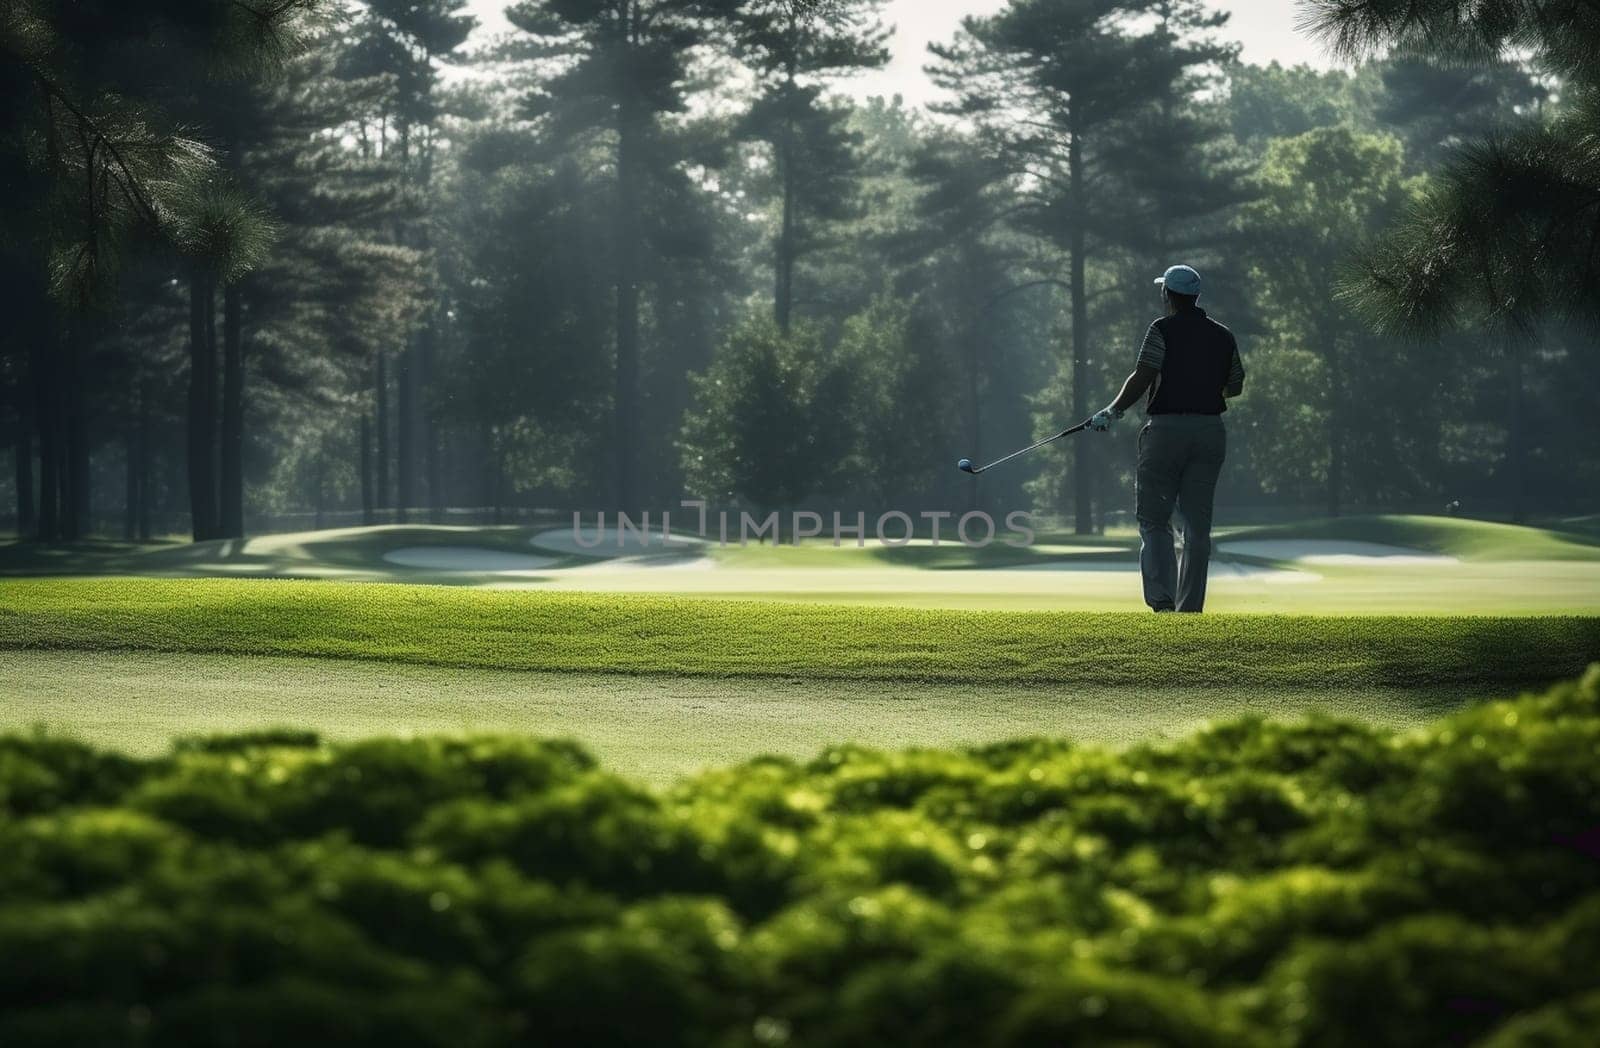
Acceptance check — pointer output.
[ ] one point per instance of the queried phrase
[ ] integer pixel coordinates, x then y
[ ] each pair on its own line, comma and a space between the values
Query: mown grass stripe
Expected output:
647, 634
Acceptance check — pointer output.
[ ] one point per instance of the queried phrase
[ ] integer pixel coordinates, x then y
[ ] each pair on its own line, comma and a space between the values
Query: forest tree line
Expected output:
348, 258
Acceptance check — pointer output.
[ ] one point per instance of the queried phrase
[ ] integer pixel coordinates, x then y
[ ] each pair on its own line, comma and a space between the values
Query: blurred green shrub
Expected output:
1260, 883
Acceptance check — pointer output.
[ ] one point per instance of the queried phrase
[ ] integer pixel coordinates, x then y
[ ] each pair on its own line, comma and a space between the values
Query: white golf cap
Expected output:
1180, 280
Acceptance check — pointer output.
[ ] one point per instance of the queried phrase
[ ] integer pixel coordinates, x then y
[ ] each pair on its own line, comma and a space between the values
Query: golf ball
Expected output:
964, 464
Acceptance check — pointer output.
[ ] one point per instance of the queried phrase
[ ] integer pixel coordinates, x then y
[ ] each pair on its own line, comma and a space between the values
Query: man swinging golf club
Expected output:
1190, 366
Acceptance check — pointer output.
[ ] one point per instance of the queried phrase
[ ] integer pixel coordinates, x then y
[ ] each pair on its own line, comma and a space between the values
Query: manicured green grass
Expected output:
635, 634
647, 726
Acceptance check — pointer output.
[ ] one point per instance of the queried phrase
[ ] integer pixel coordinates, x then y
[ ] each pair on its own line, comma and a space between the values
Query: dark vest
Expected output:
1195, 370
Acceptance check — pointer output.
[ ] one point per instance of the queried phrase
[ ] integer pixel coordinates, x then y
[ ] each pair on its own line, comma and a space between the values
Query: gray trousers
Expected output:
1180, 459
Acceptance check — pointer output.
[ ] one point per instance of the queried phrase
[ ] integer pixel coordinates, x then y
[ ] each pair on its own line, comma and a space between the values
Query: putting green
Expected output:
651, 727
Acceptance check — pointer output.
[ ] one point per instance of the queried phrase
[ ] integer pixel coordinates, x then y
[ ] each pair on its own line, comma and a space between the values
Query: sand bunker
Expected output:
623, 565
1335, 551
467, 558
597, 543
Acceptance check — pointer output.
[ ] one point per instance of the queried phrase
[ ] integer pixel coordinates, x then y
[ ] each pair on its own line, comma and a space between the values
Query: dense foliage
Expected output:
1260, 883
1503, 242
1507, 237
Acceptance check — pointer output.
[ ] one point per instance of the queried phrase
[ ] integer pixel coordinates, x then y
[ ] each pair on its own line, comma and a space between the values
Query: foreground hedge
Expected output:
1260, 883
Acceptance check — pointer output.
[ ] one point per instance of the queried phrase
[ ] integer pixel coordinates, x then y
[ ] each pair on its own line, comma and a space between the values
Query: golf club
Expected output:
966, 466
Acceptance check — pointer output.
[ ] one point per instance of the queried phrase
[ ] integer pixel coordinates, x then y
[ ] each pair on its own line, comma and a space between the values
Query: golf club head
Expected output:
965, 466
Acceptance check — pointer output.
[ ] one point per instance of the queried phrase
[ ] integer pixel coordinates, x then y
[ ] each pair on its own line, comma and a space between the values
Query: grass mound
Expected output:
1475, 540
1320, 883
439, 626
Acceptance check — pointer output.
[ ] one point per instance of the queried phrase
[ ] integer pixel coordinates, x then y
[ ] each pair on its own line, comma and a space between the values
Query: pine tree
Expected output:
1504, 239
1176, 156
405, 40
1512, 215
619, 71
87, 83
223, 232
336, 291
795, 47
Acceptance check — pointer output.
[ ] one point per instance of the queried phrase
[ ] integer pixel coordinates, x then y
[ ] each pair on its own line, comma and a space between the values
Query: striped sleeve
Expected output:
1235, 384
1154, 350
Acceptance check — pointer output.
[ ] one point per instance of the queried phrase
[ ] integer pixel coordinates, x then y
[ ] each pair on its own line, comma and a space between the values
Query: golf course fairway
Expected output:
649, 727
659, 686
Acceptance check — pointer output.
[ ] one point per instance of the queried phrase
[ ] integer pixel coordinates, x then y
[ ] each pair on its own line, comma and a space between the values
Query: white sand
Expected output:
660, 562
1334, 551
467, 558
292, 541
597, 543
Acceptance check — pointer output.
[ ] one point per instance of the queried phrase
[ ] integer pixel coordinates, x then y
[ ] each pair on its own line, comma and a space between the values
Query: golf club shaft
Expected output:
1079, 428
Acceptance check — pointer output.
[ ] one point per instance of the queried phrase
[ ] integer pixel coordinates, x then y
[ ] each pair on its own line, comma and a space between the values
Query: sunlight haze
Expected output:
1266, 29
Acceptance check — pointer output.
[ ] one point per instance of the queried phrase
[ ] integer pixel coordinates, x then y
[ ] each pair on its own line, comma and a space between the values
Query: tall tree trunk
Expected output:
130, 489
430, 433
142, 446
202, 408
1518, 458
405, 371
369, 514
231, 489
380, 395
497, 480
1336, 441
75, 491
1335, 472
430, 456
626, 404
974, 366
45, 359
405, 427
589, 290
319, 479
1082, 481
783, 298
26, 508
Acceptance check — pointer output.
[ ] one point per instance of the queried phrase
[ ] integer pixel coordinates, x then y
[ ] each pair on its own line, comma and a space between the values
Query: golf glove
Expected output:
1103, 419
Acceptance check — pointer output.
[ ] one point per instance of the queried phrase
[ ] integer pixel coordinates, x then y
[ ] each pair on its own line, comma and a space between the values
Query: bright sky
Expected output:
1266, 28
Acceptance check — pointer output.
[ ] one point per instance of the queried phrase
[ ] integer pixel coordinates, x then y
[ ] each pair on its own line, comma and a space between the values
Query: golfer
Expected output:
1189, 364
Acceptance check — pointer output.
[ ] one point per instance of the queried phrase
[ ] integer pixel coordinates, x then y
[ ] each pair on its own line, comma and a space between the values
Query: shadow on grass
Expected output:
354, 555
